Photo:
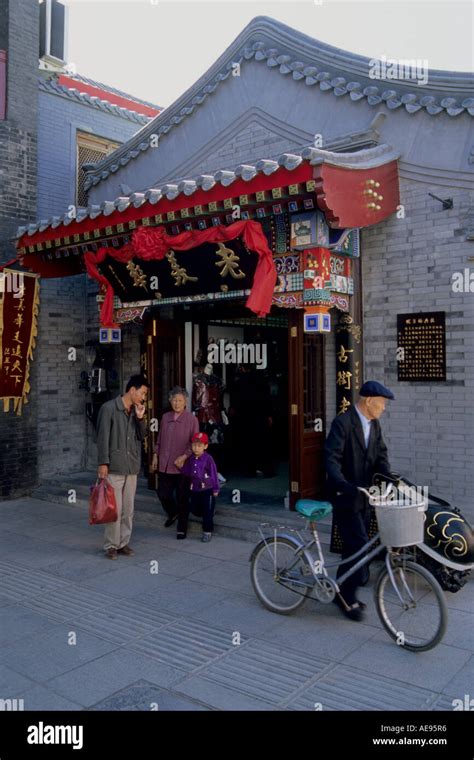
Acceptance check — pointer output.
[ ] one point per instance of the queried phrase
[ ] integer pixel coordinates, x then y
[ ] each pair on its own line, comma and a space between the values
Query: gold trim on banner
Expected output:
18, 401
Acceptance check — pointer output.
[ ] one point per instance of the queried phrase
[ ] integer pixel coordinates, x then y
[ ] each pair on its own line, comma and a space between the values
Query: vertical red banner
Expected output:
19, 304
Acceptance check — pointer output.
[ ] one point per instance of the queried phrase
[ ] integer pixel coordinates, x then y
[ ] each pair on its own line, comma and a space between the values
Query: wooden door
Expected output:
165, 369
306, 406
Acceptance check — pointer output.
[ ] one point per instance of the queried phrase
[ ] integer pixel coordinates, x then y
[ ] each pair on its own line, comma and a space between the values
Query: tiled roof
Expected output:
114, 91
51, 85
314, 64
363, 159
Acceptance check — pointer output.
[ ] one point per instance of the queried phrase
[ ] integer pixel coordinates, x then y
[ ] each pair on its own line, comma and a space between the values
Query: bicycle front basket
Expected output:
400, 524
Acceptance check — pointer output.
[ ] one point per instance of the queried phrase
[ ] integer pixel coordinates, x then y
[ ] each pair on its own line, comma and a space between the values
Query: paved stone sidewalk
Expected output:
80, 632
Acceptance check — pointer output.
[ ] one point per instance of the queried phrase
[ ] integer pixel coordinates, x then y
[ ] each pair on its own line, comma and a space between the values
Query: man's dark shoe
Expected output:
126, 551
111, 553
180, 535
352, 611
169, 522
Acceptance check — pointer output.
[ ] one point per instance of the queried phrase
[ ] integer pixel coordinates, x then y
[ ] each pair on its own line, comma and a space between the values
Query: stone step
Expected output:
230, 520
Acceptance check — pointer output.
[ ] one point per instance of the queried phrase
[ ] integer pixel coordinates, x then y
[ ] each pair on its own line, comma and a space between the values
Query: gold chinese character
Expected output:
18, 321
342, 355
178, 273
229, 263
16, 338
137, 275
345, 404
344, 378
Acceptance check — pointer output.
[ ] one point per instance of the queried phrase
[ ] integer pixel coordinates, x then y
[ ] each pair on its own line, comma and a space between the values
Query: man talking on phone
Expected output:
120, 432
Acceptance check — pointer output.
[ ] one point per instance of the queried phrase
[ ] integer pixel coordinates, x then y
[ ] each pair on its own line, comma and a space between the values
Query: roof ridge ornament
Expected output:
246, 171
289, 161
187, 186
171, 191
153, 195
206, 181
267, 166
225, 177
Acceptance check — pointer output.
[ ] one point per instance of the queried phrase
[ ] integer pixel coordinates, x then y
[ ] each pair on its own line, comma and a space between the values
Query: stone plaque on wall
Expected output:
421, 346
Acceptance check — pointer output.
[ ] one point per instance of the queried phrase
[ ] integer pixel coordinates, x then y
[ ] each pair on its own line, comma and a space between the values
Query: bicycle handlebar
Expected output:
390, 488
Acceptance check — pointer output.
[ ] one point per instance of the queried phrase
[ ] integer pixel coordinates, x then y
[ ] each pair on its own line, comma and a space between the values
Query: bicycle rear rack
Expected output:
277, 530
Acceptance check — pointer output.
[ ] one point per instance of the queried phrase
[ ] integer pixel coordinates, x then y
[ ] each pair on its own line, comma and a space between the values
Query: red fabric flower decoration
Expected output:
150, 243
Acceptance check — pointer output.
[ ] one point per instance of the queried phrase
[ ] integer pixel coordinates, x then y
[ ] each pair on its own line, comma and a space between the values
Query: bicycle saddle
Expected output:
313, 510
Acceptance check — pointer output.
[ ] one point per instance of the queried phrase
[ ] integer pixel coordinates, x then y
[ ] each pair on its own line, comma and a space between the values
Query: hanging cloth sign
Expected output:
19, 304
151, 244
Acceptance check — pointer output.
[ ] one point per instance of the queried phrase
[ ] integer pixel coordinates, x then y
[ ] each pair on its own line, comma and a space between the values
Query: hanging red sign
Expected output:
19, 302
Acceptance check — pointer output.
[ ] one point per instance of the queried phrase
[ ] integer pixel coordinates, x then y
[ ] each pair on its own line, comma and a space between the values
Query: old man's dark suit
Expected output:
350, 464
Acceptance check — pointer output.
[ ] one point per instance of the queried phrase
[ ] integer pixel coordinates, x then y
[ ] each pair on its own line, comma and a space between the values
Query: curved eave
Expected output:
354, 190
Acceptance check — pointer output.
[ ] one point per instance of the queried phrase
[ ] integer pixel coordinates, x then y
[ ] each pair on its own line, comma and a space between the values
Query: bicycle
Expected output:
409, 600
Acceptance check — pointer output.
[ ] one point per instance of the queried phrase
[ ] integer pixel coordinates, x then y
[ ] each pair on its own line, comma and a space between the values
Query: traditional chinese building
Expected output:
291, 200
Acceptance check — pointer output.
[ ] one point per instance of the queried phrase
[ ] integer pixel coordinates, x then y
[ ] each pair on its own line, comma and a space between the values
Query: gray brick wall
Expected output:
60, 119
23, 51
18, 141
18, 133
253, 143
61, 405
407, 267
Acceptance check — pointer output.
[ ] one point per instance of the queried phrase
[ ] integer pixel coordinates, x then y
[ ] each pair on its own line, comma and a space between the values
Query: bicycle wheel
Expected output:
278, 575
417, 621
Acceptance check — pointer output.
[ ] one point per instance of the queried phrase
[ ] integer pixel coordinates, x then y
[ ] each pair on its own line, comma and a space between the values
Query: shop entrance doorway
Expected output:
249, 361
257, 388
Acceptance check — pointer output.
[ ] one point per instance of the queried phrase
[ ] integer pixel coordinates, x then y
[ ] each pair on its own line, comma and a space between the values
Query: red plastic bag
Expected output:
102, 504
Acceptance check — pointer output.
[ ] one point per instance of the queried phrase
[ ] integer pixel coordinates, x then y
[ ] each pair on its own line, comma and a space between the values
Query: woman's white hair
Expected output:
177, 391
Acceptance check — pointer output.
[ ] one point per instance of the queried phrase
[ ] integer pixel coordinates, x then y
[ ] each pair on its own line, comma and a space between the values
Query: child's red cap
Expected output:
200, 438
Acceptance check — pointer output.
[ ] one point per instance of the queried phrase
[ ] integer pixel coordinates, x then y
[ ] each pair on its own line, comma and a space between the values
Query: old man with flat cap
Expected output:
354, 452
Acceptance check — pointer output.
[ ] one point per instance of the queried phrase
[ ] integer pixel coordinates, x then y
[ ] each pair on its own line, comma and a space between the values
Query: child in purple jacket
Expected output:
201, 471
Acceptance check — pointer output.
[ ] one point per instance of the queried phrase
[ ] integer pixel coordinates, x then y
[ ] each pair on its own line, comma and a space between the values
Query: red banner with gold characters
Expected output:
19, 305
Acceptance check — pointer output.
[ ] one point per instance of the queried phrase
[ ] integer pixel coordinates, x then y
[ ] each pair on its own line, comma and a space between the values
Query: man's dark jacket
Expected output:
349, 463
